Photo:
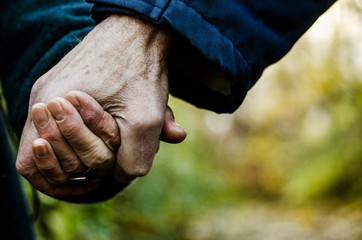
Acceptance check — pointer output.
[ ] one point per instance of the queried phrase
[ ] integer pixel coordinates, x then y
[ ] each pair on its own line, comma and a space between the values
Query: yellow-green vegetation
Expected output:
286, 165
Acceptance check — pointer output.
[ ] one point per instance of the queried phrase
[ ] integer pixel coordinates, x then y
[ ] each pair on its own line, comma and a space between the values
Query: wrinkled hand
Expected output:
75, 134
122, 65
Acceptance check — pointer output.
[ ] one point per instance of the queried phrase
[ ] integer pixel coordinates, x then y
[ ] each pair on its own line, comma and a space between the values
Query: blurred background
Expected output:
286, 165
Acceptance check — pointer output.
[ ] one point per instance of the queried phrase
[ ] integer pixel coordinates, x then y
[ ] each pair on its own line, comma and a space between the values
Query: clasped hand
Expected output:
103, 106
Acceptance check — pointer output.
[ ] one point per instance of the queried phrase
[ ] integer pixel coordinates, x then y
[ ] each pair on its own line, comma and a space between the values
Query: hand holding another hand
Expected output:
121, 64
75, 134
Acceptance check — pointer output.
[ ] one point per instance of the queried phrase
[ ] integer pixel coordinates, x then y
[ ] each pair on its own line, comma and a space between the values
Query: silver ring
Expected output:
84, 177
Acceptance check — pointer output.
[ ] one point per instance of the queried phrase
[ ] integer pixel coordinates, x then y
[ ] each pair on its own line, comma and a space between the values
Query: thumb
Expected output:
171, 131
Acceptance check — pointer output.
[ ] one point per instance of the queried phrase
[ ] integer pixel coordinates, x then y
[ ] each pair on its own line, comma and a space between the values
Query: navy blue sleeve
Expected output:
223, 46
34, 36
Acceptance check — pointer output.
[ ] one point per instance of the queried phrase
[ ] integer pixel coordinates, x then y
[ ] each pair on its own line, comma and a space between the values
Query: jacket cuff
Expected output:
238, 39
150, 10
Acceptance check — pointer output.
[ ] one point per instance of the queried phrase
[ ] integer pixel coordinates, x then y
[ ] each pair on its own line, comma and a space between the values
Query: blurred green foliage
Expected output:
286, 165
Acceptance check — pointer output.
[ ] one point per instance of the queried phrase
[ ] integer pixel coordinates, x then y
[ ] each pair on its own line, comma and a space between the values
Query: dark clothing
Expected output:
221, 50
34, 36
15, 217
239, 38
230, 42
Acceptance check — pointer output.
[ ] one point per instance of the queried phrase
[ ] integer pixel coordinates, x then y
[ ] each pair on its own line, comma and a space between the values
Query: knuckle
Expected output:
72, 167
155, 121
52, 136
58, 180
139, 170
94, 118
21, 168
147, 123
113, 140
91, 120
70, 131
48, 169
101, 160
36, 86
52, 175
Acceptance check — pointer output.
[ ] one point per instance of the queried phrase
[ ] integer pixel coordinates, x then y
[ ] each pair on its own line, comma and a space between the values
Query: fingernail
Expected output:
56, 109
40, 151
177, 125
74, 101
40, 116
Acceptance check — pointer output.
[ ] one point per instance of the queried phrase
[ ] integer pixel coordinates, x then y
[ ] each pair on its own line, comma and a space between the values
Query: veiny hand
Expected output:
122, 65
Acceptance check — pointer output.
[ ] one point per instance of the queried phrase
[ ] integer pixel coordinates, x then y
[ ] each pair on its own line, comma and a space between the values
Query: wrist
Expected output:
122, 32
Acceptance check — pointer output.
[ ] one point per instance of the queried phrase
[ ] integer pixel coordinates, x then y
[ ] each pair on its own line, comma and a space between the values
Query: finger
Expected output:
48, 130
171, 131
26, 166
100, 122
139, 144
41, 184
90, 149
47, 163
25, 163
